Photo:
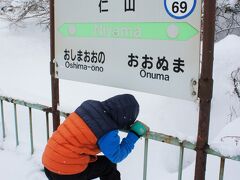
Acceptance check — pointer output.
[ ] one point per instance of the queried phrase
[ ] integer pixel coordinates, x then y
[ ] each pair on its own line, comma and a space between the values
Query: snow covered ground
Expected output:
24, 74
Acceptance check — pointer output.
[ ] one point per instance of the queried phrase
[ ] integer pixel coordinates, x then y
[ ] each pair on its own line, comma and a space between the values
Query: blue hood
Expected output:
117, 112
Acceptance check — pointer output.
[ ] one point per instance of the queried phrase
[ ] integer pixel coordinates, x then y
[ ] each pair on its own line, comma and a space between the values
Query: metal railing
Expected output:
182, 144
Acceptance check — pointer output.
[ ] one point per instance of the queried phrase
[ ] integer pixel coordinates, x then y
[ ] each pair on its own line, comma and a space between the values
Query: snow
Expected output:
230, 3
24, 74
228, 140
19, 166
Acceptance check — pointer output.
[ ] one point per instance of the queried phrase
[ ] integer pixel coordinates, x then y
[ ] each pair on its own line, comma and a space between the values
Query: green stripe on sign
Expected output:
180, 31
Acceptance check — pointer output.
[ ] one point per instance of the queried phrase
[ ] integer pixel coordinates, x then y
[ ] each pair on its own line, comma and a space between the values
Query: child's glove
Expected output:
139, 128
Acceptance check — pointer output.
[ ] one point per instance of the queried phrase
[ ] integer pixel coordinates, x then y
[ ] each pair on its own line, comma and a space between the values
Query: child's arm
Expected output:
115, 151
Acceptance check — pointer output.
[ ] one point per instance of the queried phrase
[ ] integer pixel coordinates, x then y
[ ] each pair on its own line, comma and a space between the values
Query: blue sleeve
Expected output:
115, 151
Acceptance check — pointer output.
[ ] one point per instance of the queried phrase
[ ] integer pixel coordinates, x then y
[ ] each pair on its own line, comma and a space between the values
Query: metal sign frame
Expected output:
205, 83
108, 48
205, 87
54, 80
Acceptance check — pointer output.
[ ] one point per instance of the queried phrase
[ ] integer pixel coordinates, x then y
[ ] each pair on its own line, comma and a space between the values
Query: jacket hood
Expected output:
123, 109
117, 112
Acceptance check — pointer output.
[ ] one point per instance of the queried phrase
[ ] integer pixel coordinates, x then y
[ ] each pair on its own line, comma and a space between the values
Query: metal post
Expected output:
180, 165
54, 80
145, 159
205, 88
31, 130
47, 125
222, 165
16, 124
3, 122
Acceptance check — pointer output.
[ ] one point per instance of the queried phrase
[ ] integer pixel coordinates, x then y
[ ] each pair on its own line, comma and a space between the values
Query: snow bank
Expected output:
15, 165
225, 104
228, 140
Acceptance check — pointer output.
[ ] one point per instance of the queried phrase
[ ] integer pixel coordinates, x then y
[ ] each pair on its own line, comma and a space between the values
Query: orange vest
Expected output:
71, 147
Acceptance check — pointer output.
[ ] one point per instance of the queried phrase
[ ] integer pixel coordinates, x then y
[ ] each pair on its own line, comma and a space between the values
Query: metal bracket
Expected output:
194, 84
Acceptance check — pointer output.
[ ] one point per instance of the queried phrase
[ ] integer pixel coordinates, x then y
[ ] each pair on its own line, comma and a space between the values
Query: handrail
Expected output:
152, 135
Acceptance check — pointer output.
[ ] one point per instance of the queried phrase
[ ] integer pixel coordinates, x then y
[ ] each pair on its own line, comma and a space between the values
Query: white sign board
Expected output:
144, 45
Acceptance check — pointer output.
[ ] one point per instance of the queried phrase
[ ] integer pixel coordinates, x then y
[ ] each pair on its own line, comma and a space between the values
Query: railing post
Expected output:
31, 130
145, 159
222, 165
16, 124
47, 125
3, 123
180, 166
205, 88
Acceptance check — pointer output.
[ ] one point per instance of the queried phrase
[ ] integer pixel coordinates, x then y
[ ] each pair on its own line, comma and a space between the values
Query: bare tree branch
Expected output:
235, 75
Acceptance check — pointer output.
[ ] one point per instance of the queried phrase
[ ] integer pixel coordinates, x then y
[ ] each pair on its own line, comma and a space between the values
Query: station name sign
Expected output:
151, 46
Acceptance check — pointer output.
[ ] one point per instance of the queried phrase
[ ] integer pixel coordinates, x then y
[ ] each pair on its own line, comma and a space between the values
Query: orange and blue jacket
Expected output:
71, 147
91, 129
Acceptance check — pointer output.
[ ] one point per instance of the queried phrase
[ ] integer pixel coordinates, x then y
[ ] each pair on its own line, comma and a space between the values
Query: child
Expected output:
71, 152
